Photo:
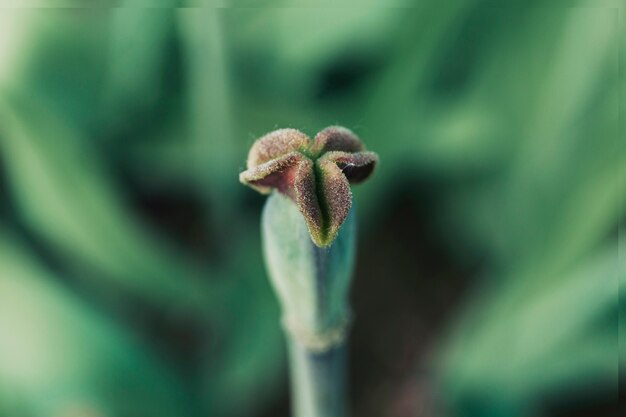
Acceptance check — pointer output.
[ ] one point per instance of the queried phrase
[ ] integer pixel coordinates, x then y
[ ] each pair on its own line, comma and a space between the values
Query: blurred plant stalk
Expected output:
312, 284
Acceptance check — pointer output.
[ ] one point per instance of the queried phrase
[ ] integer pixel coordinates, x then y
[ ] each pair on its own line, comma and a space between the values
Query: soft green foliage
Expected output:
54, 351
509, 115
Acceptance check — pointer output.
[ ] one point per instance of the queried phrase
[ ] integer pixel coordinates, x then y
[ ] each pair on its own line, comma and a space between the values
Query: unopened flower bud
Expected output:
315, 174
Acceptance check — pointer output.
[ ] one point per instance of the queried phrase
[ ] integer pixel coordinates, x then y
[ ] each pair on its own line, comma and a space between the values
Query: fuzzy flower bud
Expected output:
315, 174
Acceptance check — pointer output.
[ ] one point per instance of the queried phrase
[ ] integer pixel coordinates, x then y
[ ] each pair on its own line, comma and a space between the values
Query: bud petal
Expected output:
279, 173
336, 199
276, 144
336, 138
357, 167
306, 198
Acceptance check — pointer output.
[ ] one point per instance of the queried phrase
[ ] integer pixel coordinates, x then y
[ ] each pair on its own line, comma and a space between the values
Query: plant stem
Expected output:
318, 381
312, 285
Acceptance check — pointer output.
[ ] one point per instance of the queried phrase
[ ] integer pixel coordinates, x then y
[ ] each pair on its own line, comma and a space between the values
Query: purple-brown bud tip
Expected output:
316, 174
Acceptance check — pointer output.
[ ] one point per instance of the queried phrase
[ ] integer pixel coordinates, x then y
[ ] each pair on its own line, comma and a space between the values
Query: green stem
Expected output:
312, 285
318, 381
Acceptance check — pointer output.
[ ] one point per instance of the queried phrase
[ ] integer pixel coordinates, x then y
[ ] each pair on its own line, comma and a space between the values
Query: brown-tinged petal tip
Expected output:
276, 144
279, 173
307, 200
335, 199
336, 138
357, 167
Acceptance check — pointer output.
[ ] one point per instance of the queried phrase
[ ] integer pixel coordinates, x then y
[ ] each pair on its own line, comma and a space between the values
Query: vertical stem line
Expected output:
318, 381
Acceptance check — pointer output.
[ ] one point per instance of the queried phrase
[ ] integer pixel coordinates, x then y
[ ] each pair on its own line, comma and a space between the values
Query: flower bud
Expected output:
315, 174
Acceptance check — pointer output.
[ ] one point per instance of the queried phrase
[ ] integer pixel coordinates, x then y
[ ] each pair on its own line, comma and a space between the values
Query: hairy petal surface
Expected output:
276, 144
336, 199
336, 138
357, 167
279, 173
307, 200
316, 175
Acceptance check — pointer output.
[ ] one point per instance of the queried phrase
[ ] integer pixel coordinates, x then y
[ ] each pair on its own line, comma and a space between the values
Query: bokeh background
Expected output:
487, 281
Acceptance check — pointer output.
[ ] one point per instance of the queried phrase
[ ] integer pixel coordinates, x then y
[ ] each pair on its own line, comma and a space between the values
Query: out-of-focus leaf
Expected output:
59, 357
65, 196
57, 57
548, 318
136, 60
210, 121
292, 53
248, 351
529, 340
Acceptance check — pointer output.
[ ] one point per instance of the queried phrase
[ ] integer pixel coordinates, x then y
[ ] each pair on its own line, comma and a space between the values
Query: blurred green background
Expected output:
487, 281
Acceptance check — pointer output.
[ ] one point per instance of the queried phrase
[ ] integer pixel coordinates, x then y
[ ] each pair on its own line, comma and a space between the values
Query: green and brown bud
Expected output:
316, 174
